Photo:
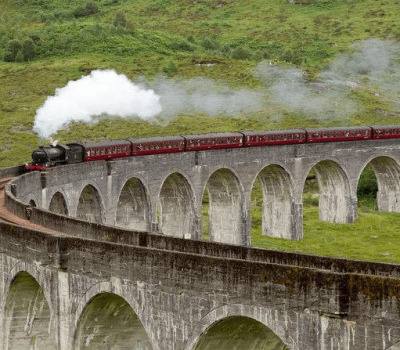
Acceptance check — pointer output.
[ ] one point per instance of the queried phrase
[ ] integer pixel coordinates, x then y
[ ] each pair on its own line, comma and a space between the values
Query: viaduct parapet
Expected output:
96, 286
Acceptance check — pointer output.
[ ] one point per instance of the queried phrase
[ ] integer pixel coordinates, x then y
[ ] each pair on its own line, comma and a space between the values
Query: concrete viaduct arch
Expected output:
170, 188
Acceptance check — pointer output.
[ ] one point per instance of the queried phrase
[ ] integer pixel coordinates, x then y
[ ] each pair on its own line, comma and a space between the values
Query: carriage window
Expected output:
228, 140
103, 151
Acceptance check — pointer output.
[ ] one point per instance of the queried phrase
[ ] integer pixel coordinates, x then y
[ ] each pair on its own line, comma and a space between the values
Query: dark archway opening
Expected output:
89, 206
58, 204
225, 207
176, 207
238, 333
367, 190
108, 322
133, 207
27, 316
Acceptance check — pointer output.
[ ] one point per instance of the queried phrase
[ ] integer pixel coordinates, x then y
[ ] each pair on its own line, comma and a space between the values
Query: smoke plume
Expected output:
202, 95
101, 92
371, 65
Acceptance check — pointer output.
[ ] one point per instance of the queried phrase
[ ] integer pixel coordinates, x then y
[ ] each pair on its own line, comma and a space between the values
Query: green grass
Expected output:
152, 37
374, 237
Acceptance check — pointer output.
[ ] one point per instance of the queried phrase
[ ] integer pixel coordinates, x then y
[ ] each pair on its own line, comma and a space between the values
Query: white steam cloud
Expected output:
372, 65
204, 95
101, 92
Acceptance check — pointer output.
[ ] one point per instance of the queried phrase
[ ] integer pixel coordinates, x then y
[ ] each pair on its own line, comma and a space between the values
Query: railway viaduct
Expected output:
138, 276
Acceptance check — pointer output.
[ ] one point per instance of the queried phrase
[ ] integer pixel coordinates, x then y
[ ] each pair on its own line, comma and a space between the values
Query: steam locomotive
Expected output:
54, 155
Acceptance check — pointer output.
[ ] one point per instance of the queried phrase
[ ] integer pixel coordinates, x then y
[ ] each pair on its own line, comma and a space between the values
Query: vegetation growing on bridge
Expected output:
43, 45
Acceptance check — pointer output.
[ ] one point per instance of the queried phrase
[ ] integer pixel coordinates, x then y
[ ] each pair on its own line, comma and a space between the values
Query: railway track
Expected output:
3, 213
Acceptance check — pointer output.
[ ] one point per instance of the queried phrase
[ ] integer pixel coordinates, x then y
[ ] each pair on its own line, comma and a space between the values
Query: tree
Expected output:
28, 49
11, 50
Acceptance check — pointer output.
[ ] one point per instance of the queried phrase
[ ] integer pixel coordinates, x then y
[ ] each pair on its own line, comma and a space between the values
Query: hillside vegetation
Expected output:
306, 62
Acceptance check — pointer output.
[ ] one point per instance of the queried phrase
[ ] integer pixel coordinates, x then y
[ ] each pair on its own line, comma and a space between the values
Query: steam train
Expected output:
54, 155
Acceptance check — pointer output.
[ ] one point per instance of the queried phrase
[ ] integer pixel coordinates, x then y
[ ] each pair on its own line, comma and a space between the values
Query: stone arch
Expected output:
238, 332
177, 203
226, 208
271, 319
277, 190
133, 207
337, 204
58, 204
108, 321
90, 205
27, 317
387, 172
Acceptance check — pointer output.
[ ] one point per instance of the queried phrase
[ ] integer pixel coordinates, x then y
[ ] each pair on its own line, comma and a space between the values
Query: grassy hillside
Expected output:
310, 62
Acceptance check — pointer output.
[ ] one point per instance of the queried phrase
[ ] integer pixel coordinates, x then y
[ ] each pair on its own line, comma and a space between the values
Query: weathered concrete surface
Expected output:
168, 299
166, 292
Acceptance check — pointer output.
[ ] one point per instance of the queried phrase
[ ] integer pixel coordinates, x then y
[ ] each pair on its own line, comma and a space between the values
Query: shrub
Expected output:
241, 53
8, 56
182, 45
88, 9
11, 50
28, 49
120, 19
171, 69
19, 57
210, 44
13, 46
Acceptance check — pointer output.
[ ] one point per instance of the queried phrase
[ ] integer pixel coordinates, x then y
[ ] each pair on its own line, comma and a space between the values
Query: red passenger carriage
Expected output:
157, 145
385, 131
274, 137
350, 133
104, 150
213, 141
